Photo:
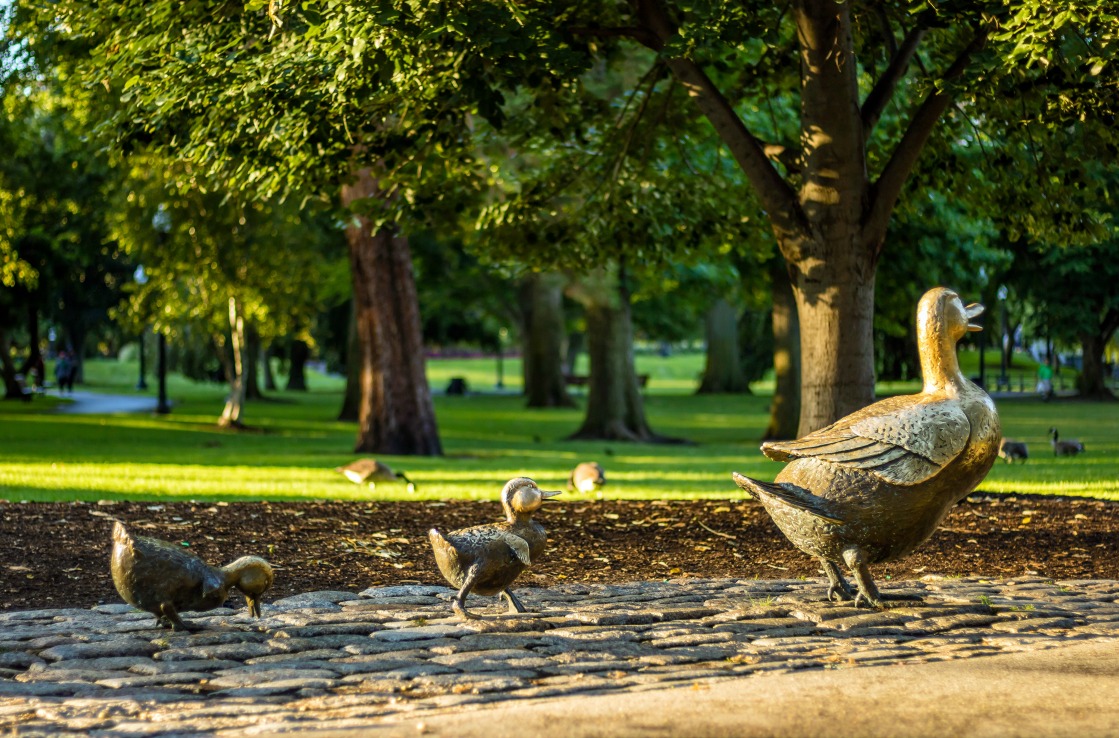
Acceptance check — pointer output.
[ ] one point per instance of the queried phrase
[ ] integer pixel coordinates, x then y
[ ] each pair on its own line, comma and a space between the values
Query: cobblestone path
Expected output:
344, 659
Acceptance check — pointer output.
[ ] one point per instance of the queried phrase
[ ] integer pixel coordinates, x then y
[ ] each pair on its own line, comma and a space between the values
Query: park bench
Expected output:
580, 380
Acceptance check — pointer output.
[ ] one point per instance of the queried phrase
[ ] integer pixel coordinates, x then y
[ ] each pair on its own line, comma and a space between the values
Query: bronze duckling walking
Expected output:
486, 559
165, 580
874, 485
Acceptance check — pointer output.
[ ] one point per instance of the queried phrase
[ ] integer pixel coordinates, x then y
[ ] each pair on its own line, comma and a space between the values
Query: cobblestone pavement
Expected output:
342, 659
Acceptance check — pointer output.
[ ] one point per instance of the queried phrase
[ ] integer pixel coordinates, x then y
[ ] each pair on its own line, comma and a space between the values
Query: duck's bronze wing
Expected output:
900, 440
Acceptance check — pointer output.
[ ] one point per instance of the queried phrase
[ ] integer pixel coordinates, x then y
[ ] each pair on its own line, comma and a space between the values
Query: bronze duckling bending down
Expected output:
165, 580
371, 471
486, 559
874, 485
586, 477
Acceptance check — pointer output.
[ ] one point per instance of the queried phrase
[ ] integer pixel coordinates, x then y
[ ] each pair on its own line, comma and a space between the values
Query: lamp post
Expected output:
163, 407
1004, 380
501, 334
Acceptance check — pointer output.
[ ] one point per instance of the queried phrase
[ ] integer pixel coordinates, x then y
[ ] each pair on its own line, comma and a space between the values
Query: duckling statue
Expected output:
874, 485
371, 471
165, 580
587, 477
485, 559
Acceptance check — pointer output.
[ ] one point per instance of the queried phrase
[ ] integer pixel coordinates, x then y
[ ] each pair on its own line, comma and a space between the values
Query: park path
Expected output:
391, 658
95, 403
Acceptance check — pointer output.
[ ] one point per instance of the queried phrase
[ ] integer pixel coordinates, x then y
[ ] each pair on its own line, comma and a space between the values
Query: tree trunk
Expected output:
297, 371
576, 343
12, 389
835, 308
615, 407
396, 415
1092, 382
351, 400
542, 314
266, 366
34, 354
784, 411
250, 352
231, 415
723, 371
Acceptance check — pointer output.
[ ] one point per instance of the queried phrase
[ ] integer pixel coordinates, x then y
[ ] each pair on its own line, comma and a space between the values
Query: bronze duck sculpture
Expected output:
586, 477
486, 559
874, 485
371, 471
164, 579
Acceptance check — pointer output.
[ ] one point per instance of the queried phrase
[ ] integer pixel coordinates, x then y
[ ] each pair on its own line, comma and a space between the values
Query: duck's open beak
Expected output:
548, 493
973, 311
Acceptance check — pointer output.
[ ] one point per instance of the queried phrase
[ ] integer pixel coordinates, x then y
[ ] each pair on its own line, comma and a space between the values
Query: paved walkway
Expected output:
90, 403
656, 653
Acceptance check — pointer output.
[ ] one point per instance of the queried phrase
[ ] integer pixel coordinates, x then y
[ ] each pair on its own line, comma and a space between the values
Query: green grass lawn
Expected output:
295, 443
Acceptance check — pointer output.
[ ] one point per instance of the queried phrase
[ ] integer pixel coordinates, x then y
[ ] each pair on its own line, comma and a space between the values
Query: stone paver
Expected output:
341, 659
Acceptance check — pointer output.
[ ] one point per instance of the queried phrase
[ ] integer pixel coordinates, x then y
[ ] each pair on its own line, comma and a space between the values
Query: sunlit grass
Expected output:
295, 443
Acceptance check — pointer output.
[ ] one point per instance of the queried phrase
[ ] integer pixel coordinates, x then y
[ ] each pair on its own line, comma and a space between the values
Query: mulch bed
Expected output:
57, 554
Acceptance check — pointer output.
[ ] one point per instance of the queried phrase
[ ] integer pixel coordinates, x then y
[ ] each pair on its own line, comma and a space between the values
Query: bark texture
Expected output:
722, 371
544, 334
396, 415
784, 411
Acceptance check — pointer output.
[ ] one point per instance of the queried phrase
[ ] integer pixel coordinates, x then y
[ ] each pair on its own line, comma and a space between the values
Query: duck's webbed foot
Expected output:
515, 605
461, 611
838, 588
855, 559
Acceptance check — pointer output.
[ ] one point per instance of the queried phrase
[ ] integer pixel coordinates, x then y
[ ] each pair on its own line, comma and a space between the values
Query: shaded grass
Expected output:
294, 445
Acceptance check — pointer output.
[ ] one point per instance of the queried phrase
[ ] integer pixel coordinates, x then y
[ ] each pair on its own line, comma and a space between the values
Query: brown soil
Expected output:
57, 554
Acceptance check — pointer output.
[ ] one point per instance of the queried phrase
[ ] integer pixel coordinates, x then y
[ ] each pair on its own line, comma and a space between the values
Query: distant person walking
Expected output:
1045, 381
64, 372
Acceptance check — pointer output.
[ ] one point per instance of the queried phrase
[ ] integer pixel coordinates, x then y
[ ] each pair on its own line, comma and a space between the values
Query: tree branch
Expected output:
885, 192
641, 35
887, 84
778, 198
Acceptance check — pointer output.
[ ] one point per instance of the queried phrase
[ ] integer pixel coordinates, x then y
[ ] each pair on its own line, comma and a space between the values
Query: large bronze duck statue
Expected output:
163, 579
486, 559
874, 485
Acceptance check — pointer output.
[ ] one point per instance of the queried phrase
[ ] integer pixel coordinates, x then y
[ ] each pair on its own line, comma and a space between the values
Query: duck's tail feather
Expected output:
120, 533
797, 498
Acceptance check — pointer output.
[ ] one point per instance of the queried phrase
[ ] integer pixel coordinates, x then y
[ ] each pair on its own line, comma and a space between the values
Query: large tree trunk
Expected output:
1092, 382
784, 411
351, 400
543, 331
231, 415
297, 366
615, 407
723, 370
397, 415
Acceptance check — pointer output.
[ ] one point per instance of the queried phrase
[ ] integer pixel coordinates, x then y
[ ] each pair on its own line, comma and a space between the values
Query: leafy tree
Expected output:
831, 166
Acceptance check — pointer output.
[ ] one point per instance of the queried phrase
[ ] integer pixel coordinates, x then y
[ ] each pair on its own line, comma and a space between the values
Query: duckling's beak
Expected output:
973, 311
546, 493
